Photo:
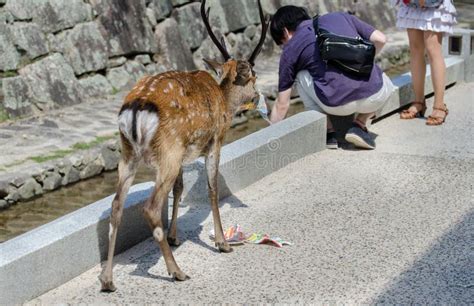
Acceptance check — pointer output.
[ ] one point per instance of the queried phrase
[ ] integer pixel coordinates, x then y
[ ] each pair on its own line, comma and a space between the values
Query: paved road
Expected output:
394, 225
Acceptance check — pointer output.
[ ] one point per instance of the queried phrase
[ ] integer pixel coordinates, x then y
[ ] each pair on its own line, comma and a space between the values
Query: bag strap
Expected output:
316, 24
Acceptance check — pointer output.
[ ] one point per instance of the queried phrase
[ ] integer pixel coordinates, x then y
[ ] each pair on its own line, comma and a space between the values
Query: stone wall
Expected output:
62, 52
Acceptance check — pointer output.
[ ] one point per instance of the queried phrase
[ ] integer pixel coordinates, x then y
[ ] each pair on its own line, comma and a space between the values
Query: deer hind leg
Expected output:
127, 170
152, 212
177, 192
212, 167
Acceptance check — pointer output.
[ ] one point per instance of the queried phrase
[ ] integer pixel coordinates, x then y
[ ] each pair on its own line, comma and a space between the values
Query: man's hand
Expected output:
280, 108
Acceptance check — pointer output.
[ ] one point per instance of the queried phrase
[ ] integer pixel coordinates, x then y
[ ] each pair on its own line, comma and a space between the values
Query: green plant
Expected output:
114, 91
53, 155
8, 74
4, 115
91, 144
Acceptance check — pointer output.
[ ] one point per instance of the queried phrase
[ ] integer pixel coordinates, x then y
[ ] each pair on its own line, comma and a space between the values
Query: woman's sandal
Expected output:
434, 120
408, 114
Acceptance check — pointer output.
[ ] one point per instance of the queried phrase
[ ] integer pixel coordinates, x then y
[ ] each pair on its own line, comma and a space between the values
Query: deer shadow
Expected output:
189, 227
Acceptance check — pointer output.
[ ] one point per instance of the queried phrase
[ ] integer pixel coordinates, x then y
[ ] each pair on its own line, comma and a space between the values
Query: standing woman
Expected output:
426, 26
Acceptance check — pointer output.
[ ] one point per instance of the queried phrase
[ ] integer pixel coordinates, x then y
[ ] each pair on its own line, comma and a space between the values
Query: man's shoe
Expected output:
360, 137
331, 141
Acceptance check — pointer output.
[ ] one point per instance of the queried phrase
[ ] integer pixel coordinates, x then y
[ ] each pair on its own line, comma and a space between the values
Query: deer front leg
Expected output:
152, 211
212, 167
177, 192
127, 172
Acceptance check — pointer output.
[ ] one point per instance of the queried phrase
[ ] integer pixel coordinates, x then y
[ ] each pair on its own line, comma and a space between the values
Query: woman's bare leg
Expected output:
417, 65
433, 41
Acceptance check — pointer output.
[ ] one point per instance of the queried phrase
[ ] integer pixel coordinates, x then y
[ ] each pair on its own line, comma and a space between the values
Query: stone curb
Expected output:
54, 253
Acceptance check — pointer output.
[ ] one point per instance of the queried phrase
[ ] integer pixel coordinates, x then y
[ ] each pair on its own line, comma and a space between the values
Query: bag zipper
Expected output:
345, 66
344, 43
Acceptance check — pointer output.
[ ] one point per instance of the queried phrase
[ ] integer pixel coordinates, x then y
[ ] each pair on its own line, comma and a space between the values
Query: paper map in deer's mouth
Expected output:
262, 108
247, 106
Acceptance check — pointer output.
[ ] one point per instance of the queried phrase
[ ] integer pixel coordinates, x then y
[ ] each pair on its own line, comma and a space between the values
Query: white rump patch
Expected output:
146, 126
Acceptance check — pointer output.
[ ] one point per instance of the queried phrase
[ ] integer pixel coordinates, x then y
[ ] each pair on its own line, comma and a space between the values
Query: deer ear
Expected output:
214, 66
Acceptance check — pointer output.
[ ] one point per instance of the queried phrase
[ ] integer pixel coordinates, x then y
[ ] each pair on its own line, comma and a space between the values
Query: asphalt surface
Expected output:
394, 225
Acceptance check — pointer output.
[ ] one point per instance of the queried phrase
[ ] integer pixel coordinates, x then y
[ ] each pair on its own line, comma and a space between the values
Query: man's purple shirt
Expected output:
332, 86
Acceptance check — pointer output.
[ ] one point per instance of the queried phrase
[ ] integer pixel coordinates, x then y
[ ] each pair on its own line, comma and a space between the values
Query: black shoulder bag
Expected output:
352, 55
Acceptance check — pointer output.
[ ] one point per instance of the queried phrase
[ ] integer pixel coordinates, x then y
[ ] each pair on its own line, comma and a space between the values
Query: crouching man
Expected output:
324, 87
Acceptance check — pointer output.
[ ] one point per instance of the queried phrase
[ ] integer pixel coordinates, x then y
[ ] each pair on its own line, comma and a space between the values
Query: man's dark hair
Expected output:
289, 17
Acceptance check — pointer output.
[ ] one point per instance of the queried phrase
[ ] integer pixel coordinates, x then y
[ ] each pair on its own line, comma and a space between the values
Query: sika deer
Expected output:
169, 120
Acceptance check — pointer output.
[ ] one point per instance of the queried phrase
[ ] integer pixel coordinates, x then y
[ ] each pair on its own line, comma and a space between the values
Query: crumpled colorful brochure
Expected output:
265, 239
235, 235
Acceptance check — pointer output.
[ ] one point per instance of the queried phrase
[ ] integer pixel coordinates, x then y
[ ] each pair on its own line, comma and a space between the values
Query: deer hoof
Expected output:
224, 247
173, 241
107, 286
180, 276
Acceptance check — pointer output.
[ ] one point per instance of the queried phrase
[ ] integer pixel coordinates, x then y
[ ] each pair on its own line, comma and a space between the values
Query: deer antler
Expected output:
205, 18
265, 23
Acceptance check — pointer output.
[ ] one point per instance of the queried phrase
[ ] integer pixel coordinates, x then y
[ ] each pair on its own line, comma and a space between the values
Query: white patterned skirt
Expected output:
441, 19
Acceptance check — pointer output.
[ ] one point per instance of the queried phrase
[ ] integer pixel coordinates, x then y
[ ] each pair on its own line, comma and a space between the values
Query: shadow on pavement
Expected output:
189, 227
444, 275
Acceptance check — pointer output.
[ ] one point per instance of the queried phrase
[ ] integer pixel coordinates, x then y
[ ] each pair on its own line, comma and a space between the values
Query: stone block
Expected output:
56, 15
173, 52
22, 9
4, 189
16, 96
5, 16
84, 48
94, 165
52, 82
154, 69
4, 204
161, 8
111, 158
52, 181
238, 15
150, 13
125, 27
29, 190
126, 75
29, 38
96, 86
143, 59
209, 51
217, 16
189, 17
116, 61
10, 59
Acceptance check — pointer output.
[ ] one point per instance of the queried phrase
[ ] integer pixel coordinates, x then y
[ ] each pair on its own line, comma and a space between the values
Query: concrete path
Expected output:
394, 225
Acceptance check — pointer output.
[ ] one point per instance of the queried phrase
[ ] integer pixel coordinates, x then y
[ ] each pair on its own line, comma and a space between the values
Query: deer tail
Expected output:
138, 122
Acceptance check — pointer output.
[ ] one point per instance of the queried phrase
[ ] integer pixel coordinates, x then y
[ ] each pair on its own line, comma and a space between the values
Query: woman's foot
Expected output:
416, 110
438, 116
